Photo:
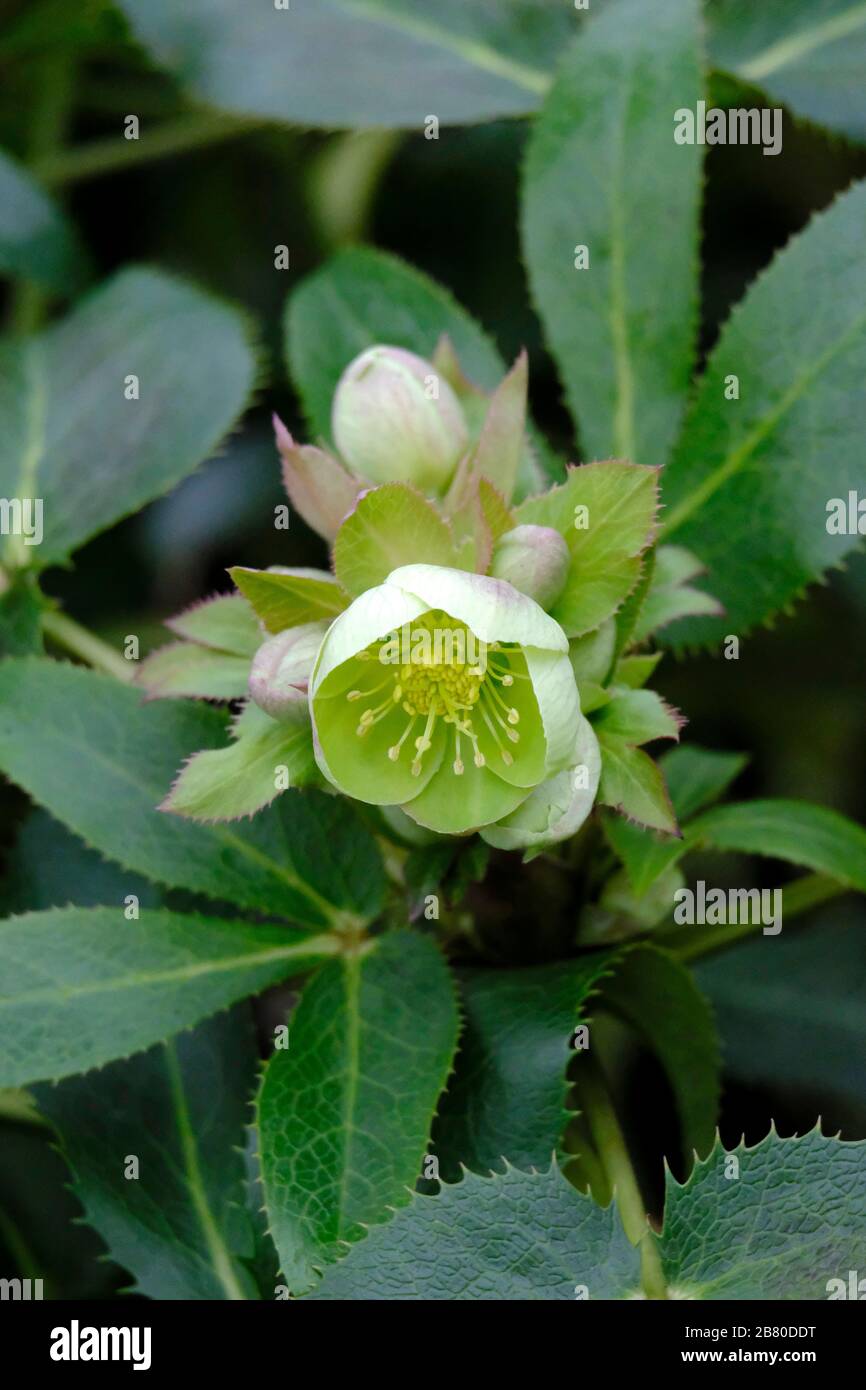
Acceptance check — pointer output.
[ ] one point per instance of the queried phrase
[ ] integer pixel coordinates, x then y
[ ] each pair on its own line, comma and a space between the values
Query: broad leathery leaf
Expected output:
84, 986
180, 1226
352, 63
789, 1224
225, 622
622, 329
809, 56
517, 1236
748, 485
506, 1100
184, 668
86, 748
70, 436
345, 1111
632, 783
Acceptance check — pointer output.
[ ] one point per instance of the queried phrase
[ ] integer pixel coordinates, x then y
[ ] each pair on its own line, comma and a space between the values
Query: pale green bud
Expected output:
396, 419
282, 666
535, 559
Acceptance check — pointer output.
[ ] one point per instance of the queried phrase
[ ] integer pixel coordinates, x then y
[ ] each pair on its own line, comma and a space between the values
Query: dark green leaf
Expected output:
750, 481
345, 1112
70, 436
86, 748
810, 57
36, 240
518, 1236
782, 1225
179, 1225
349, 63
623, 329
83, 986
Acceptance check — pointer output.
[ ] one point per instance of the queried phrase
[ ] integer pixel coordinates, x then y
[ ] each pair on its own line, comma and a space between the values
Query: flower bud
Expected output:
281, 668
535, 559
395, 419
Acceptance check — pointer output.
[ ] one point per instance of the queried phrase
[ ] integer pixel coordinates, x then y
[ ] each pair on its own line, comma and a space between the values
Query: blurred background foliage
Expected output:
794, 701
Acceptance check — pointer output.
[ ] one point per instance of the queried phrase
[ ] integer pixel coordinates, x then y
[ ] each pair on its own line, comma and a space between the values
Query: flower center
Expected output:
440, 670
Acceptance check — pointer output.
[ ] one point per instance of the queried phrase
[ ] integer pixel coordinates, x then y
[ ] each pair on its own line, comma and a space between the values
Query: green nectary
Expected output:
447, 693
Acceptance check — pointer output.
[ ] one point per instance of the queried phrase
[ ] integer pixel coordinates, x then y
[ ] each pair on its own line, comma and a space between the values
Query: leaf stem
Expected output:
80, 642
597, 1106
107, 156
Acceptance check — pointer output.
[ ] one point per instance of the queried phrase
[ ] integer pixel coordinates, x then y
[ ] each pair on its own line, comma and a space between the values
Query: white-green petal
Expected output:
492, 608
372, 616
557, 808
558, 703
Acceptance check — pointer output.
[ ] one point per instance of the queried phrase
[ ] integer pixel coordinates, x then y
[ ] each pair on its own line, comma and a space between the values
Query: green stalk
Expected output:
610, 1145
193, 132
80, 642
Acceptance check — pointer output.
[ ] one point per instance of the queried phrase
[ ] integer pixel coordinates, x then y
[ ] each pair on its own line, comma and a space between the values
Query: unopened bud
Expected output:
282, 667
535, 559
395, 419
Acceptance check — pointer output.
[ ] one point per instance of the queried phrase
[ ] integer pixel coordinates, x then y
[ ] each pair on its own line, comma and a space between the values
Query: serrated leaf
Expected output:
225, 622
180, 1109
37, 242
809, 57
670, 596
606, 540
69, 435
345, 1112
518, 1236
86, 748
287, 598
83, 986
788, 1223
506, 1099
632, 783
390, 526
748, 486
268, 757
637, 716
184, 668
623, 329
49, 867
345, 63
812, 836
695, 777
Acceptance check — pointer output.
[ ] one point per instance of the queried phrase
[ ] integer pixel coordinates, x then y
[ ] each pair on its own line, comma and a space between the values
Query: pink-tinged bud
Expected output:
396, 419
535, 559
282, 667
319, 488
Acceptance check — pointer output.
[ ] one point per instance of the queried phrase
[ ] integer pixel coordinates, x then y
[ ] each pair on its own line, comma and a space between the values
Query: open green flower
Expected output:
447, 693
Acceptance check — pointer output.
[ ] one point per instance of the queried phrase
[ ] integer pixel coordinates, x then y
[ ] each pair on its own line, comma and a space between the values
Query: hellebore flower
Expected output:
395, 419
447, 693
